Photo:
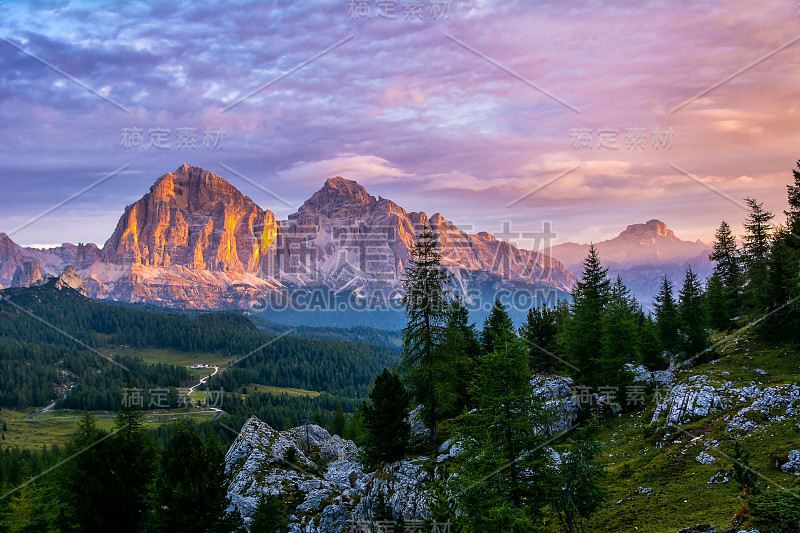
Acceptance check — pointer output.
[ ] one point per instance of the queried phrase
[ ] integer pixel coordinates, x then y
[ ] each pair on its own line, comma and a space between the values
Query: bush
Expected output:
777, 511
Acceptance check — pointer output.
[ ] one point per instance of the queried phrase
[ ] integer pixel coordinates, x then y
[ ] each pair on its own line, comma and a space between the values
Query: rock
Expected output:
642, 375
644, 490
719, 477
194, 218
556, 393
195, 241
759, 371
704, 458
257, 462
70, 279
686, 402
793, 463
27, 275
782, 398
414, 419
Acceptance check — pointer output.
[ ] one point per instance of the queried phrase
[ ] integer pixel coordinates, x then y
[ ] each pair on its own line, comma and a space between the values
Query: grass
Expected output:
681, 495
55, 427
171, 356
258, 388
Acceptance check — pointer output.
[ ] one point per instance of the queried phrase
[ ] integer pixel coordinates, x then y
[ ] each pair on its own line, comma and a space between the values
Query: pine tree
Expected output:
650, 352
539, 332
784, 286
269, 516
691, 318
495, 327
87, 483
588, 302
32, 509
385, 416
618, 340
793, 193
190, 491
784, 270
578, 492
727, 270
667, 317
457, 359
498, 494
717, 304
425, 283
133, 466
338, 421
758, 230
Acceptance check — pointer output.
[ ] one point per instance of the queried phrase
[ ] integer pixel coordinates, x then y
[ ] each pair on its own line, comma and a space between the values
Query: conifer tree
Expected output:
504, 478
758, 231
338, 421
717, 304
539, 332
619, 341
727, 270
667, 317
691, 318
385, 416
457, 359
784, 269
425, 283
133, 466
588, 302
190, 491
578, 492
269, 516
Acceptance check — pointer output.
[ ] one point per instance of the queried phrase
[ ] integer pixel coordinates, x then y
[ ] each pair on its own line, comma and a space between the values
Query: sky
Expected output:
585, 115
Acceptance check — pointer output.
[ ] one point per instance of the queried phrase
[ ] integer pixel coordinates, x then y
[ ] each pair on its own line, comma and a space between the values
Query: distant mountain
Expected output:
195, 241
641, 255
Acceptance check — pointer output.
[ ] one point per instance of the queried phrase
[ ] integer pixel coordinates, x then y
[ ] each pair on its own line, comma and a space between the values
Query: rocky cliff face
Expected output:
192, 218
70, 279
50, 262
27, 274
343, 236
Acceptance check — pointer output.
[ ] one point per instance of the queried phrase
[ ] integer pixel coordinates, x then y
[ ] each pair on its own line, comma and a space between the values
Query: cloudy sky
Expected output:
589, 115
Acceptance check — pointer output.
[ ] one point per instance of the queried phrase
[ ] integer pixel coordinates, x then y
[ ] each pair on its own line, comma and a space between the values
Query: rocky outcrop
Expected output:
561, 406
27, 275
793, 462
318, 476
657, 377
688, 401
773, 404
70, 279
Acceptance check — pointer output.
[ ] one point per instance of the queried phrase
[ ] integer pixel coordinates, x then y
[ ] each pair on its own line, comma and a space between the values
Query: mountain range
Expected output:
194, 241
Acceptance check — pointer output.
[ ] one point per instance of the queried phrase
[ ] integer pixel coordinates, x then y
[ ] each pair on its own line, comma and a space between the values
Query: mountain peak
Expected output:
192, 217
343, 186
651, 228
338, 197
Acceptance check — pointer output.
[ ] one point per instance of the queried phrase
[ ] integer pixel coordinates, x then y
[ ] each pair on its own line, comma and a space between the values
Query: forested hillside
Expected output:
53, 338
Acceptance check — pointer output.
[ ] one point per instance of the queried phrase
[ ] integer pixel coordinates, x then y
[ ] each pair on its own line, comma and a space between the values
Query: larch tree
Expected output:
425, 283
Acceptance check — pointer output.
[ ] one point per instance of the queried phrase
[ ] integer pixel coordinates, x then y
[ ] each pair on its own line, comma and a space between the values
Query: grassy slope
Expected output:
681, 495
56, 426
